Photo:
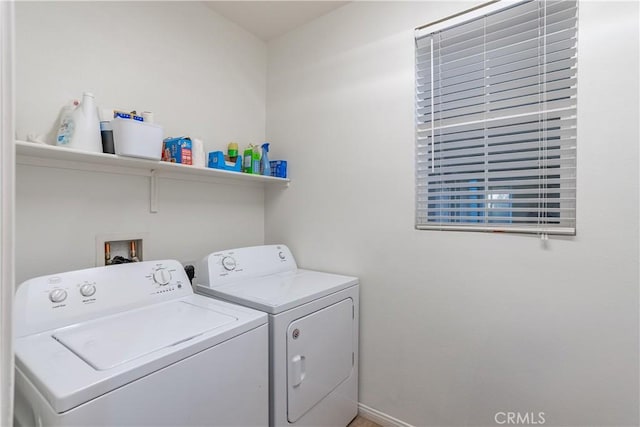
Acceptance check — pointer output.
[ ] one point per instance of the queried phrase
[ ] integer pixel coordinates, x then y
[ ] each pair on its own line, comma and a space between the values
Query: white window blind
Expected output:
496, 120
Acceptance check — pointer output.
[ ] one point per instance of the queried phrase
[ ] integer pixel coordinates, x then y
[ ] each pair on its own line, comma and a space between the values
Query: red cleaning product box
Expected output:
177, 150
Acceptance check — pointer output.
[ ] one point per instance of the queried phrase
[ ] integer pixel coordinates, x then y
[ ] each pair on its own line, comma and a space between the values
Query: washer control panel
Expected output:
54, 301
88, 289
223, 267
57, 295
167, 279
229, 263
162, 276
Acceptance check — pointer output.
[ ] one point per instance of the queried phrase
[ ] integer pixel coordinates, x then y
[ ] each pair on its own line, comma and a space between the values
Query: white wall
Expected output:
458, 326
200, 74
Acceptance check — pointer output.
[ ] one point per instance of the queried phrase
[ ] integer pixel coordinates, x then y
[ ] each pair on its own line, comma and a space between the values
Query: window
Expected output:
496, 119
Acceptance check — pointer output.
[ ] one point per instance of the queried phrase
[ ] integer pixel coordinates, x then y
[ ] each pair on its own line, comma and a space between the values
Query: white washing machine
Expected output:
313, 329
131, 344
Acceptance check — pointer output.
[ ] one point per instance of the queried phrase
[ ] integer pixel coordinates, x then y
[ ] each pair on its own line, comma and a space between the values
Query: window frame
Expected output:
544, 226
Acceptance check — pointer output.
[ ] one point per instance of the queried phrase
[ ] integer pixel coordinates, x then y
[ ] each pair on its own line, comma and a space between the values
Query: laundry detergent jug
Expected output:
80, 126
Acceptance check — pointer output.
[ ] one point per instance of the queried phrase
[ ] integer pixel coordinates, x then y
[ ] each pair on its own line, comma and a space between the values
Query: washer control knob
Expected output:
162, 276
58, 295
229, 263
87, 290
281, 255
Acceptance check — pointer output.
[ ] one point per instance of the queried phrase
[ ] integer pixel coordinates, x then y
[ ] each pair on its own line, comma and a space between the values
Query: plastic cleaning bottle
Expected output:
65, 112
251, 160
106, 131
255, 160
232, 151
80, 128
247, 159
265, 166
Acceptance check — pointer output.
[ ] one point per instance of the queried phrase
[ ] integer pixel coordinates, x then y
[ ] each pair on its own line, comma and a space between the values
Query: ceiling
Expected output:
270, 19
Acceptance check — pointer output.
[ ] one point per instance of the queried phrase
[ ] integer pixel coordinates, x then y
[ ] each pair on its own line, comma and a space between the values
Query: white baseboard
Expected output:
380, 417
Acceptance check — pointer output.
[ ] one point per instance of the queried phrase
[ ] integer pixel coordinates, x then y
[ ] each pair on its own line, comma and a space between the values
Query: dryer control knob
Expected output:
58, 295
87, 290
281, 255
162, 276
229, 263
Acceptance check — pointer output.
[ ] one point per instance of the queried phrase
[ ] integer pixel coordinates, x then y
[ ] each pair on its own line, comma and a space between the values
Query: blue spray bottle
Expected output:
265, 166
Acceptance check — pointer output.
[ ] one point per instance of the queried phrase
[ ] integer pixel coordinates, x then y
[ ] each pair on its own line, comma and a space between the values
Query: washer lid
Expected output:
109, 342
279, 292
63, 373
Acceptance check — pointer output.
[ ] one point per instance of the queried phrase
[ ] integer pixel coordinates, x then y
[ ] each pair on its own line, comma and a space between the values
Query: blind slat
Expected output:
516, 42
525, 140
544, 72
538, 173
510, 185
527, 109
518, 95
506, 126
473, 195
499, 219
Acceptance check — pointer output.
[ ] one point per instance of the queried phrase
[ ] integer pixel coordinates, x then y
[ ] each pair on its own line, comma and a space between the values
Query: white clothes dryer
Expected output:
313, 330
131, 344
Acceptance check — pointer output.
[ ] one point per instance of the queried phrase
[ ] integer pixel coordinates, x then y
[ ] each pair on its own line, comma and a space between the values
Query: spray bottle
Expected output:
265, 166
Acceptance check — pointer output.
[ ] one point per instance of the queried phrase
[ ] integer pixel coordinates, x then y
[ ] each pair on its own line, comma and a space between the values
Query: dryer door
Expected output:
319, 355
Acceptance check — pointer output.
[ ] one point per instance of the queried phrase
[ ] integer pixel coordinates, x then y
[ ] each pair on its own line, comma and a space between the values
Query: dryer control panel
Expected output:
219, 268
63, 299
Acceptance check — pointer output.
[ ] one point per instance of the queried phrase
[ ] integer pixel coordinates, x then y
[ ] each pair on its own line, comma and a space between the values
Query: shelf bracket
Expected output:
153, 191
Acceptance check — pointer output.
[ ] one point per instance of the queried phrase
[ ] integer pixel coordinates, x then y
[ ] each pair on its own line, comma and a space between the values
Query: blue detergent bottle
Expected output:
265, 166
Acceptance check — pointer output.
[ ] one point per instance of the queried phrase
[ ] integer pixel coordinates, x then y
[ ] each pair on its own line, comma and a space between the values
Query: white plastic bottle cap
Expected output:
88, 94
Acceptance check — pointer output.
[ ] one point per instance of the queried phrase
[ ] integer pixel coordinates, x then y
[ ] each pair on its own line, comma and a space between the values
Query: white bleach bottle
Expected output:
80, 127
